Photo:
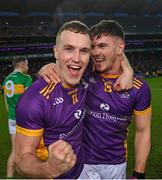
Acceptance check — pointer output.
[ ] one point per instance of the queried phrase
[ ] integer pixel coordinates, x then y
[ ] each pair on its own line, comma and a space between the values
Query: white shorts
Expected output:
12, 126
102, 171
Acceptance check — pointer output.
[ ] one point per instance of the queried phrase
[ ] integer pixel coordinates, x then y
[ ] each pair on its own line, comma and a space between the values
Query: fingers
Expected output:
49, 73
46, 78
61, 152
120, 85
61, 157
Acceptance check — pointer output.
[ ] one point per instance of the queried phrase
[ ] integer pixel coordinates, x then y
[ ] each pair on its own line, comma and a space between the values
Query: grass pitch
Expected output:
154, 164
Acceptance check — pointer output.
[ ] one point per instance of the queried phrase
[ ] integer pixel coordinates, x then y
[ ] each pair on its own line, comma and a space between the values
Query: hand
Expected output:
61, 158
49, 73
131, 177
125, 81
137, 175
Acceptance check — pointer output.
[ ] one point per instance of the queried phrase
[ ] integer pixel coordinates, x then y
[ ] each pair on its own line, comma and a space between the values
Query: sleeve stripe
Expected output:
29, 132
47, 96
136, 86
43, 90
137, 81
142, 112
46, 90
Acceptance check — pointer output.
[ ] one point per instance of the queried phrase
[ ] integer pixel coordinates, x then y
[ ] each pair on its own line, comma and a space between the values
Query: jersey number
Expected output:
10, 88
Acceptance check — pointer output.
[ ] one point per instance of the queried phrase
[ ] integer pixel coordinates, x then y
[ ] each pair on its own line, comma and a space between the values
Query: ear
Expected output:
55, 50
22, 65
120, 48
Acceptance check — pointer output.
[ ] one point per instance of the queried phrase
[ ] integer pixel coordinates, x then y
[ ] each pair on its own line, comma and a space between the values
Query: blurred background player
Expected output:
14, 86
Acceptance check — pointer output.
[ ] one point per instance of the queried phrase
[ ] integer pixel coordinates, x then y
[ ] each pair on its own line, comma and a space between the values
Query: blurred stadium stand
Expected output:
28, 28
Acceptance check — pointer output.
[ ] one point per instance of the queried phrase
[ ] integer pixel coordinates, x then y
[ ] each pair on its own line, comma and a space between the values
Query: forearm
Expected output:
30, 166
5, 102
125, 65
142, 149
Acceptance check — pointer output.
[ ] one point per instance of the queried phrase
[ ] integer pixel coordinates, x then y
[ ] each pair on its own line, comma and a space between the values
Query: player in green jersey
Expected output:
14, 86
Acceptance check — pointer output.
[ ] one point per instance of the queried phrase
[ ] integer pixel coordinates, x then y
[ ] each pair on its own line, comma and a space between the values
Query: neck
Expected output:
115, 68
18, 70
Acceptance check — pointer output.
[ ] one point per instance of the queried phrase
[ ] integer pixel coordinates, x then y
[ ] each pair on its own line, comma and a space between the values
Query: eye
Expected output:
68, 48
103, 45
85, 51
93, 47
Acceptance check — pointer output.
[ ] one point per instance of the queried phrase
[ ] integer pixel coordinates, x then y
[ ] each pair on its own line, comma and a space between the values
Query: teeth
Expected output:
74, 67
99, 59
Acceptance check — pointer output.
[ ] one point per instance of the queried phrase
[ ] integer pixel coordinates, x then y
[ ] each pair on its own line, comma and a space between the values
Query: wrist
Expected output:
51, 171
138, 175
128, 71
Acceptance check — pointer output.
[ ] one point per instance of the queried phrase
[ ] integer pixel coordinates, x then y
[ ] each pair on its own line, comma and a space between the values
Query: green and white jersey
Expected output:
14, 86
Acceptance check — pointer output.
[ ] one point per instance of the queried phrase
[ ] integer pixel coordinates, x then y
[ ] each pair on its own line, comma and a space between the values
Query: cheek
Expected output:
92, 52
85, 60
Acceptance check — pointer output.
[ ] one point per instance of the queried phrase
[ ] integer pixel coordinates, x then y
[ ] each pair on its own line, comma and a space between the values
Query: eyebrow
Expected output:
69, 45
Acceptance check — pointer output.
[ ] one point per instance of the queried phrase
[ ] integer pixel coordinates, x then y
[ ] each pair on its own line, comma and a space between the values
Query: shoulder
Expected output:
32, 101
140, 84
36, 87
25, 76
8, 77
37, 91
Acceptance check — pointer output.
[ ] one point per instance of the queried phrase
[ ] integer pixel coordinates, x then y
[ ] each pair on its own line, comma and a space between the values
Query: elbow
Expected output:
18, 164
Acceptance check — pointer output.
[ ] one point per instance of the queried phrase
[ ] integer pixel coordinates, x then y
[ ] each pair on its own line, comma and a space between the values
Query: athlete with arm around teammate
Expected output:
109, 112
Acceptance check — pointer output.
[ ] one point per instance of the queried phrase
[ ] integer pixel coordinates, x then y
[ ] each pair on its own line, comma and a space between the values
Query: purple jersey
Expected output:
54, 112
108, 114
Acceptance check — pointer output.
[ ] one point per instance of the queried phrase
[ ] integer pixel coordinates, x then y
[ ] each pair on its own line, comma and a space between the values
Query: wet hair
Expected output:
73, 26
107, 27
17, 61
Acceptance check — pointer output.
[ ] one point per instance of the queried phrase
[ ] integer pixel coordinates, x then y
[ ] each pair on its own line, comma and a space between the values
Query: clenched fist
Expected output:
61, 158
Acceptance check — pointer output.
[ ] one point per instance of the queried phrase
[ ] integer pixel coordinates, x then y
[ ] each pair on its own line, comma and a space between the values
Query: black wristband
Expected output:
139, 175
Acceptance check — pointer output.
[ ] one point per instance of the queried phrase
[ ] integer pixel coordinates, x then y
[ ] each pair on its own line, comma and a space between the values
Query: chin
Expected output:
73, 82
100, 70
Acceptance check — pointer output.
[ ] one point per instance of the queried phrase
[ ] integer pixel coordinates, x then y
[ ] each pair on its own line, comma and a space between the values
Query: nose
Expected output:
95, 51
77, 56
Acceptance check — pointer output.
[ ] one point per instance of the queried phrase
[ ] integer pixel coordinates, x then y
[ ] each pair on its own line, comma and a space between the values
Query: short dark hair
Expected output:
16, 61
106, 27
74, 26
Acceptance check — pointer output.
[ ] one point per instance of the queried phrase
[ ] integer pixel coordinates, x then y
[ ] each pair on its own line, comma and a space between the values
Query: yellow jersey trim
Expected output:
42, 151
68, 86
29, 132
112, 76
142, 112
135, 79
136, 83
136, 86
19, 89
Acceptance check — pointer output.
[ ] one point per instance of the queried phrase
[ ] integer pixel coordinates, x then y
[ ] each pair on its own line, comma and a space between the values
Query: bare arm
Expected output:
125, 81
60, 160
142, 141
5, 101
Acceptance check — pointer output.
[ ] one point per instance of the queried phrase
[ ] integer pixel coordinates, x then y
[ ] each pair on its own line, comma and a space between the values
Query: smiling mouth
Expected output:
74, 70
98, 59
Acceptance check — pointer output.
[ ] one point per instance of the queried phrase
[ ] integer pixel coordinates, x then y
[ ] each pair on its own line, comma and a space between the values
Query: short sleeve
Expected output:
143, 100
30, 115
